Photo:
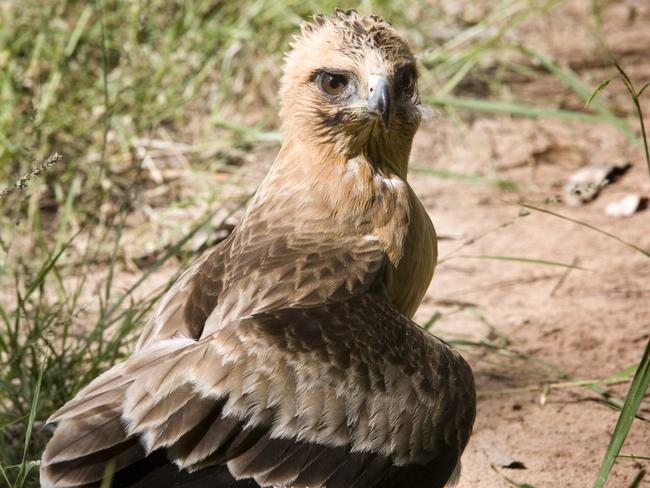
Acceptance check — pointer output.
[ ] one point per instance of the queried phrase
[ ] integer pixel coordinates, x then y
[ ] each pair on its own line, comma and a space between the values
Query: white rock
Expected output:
585, 184
624, 207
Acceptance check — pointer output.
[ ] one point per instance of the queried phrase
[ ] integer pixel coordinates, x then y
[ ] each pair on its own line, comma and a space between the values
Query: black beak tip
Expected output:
380, 101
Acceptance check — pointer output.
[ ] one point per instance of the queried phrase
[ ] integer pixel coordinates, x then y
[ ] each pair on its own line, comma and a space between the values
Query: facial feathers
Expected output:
358, 52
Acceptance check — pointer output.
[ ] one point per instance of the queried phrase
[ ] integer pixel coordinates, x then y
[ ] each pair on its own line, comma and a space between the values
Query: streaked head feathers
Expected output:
350, 81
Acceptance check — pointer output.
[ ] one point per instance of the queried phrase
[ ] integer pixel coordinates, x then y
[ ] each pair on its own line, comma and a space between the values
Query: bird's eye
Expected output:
333, 84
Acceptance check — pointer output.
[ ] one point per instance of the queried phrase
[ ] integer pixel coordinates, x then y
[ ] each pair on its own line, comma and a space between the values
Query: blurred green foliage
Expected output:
70, 69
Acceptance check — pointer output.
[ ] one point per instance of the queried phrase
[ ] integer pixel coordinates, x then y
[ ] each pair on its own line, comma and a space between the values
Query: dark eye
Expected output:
333, 84
405, 77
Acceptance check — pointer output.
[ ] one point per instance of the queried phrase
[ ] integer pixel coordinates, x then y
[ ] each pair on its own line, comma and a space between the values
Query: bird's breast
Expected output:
389, 212
408, 281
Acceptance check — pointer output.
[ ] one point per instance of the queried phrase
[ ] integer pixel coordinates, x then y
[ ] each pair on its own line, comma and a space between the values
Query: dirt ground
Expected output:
586, 324
550, 325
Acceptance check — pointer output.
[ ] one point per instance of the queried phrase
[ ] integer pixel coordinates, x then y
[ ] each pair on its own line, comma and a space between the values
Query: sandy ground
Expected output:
586, 324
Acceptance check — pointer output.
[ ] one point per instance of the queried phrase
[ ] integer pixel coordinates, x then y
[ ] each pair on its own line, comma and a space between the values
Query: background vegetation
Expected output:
90, 90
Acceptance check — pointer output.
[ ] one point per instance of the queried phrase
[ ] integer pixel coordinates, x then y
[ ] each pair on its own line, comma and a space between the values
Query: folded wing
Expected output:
343, 394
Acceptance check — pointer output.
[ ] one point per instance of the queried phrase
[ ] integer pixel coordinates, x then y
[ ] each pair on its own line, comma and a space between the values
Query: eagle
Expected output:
286, 356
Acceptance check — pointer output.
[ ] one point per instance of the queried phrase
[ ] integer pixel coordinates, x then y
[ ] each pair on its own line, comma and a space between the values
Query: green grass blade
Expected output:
114, 255
637, 105
598, 89
454, 81
634, 457
66, 214
3, 472
477, 178
46, 268
519, 259
642, 89
571, 79
249, 134
78, 30
512, 108
588, 226
432, 320
636, 482
24, 466
631, 406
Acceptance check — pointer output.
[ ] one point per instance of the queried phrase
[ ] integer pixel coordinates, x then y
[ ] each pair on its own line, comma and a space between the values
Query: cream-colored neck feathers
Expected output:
339, 196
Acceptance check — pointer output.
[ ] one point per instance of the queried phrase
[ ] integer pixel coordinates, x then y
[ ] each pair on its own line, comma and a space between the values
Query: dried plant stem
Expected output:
24, 179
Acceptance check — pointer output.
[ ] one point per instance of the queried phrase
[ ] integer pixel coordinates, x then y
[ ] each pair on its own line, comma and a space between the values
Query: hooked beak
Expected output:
379, 99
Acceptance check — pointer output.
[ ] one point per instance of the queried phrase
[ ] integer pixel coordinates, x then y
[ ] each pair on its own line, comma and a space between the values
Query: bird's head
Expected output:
350, 84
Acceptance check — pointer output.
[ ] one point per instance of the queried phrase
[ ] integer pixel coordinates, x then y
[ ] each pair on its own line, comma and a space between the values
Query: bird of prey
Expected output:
285, 356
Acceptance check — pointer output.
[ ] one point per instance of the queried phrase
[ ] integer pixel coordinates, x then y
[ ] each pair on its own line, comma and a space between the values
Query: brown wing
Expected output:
174, 314
256, 269
348, 393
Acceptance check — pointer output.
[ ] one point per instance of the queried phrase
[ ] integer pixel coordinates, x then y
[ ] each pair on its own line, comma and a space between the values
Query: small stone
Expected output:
624, 207
584, 185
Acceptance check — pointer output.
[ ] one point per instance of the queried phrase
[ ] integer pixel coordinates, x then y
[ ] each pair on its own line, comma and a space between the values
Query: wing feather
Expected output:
367, 410
91, 465
100, 430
